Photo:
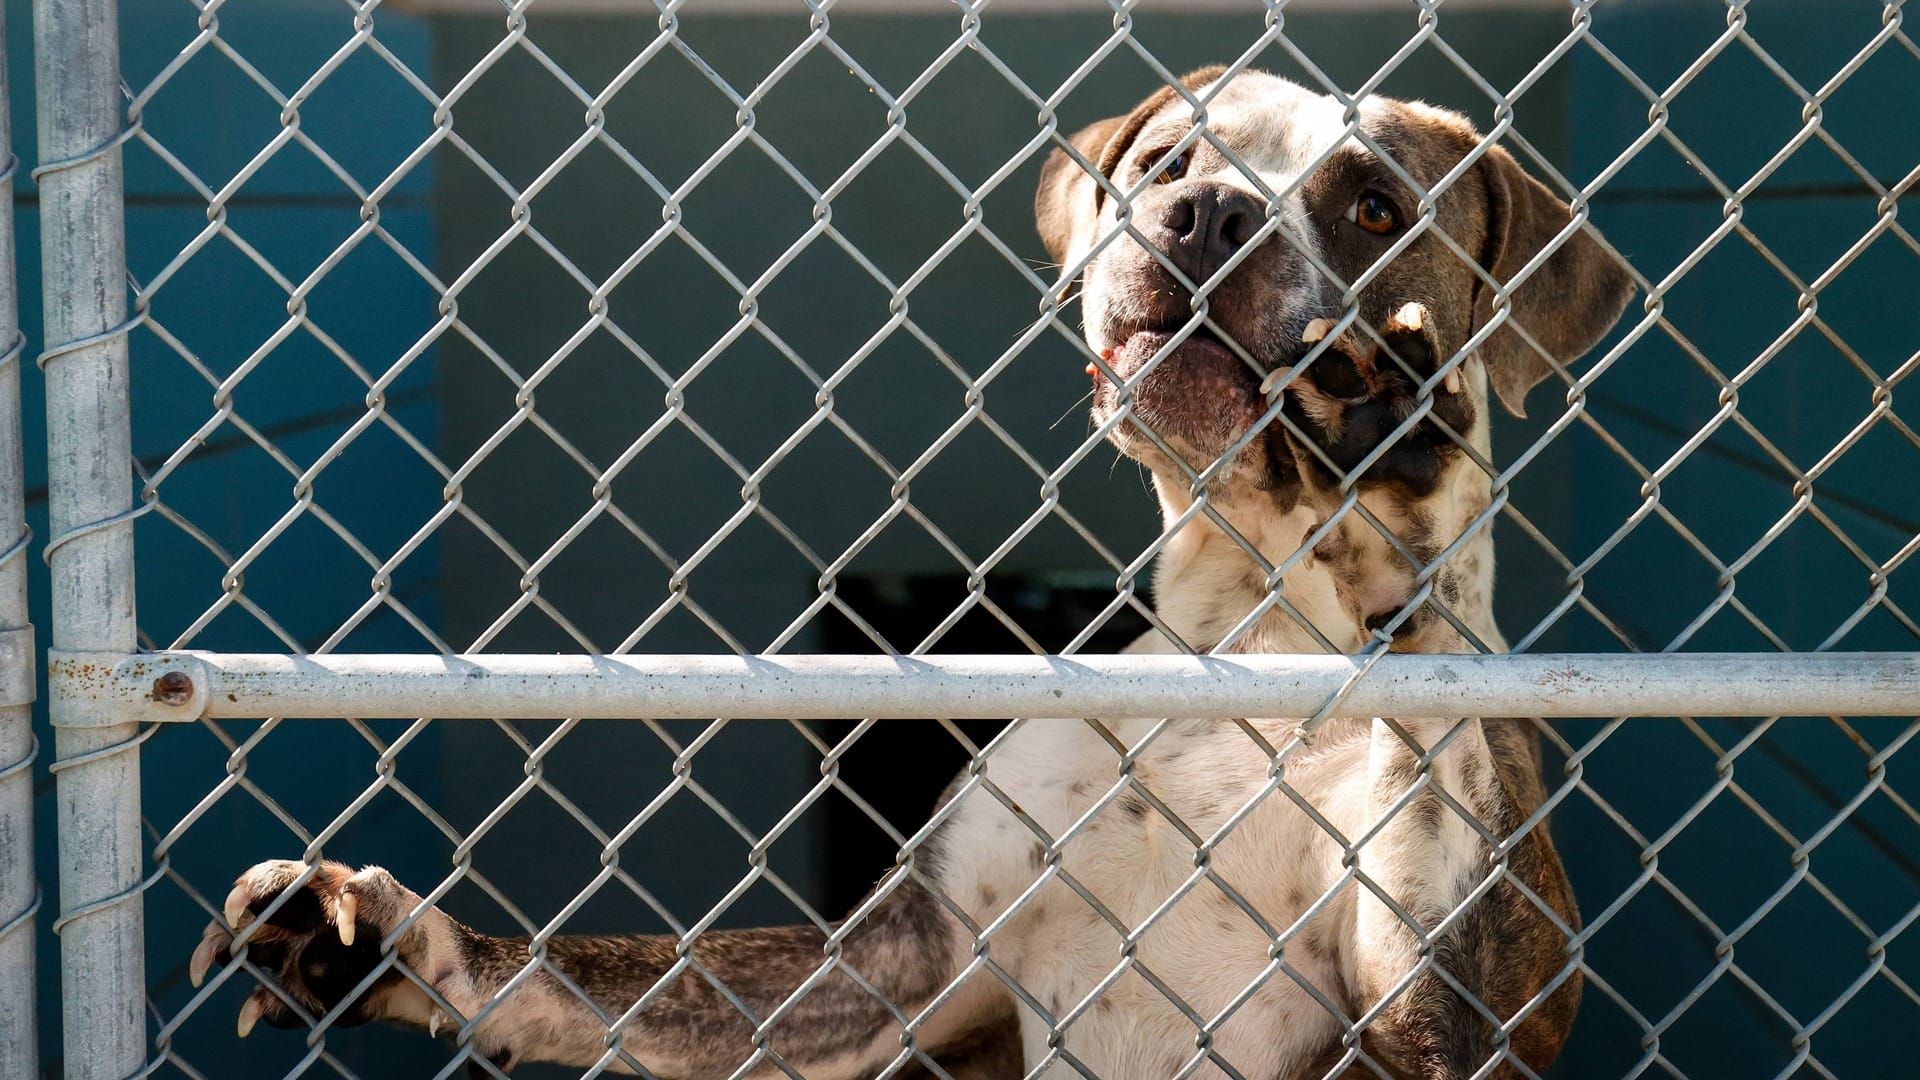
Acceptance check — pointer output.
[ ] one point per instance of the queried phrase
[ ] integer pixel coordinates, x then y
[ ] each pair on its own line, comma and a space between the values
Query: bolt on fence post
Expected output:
19, 896
90, 549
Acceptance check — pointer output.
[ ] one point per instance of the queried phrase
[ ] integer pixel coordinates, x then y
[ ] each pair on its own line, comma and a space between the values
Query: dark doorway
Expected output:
900, 767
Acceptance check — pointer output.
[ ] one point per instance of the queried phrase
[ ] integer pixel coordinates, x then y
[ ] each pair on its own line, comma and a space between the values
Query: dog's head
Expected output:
1346, 208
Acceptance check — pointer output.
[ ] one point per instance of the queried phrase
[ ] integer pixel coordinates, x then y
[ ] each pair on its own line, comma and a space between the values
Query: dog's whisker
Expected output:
1064, 300
1071, 409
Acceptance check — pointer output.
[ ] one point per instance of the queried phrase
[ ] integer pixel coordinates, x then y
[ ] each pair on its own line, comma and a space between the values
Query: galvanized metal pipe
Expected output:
19, 894
185, 686
90, 551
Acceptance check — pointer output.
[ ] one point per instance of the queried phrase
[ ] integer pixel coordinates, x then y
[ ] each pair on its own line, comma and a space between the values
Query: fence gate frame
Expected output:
89, 552
106, 697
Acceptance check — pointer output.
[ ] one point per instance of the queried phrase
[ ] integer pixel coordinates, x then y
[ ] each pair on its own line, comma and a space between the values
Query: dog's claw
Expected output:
235, 908
345, 909
1411, 316
1273, 377
250, 1012
1454, 382
1317, 329
202, 961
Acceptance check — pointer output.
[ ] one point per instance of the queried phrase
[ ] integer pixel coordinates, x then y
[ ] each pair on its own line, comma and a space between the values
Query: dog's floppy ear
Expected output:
1567, 304
1068, 203
1064, 207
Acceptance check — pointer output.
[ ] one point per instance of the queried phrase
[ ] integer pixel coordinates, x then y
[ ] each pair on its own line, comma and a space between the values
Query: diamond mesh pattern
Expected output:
369, 451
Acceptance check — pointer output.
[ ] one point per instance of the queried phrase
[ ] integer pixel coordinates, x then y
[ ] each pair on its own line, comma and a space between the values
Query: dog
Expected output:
1144, 897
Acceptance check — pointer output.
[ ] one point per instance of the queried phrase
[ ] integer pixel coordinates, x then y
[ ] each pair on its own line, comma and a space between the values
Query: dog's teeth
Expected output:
235, 909
1274, 376
1411, 316
250, 1013
345, 909
1316, 330
202, 960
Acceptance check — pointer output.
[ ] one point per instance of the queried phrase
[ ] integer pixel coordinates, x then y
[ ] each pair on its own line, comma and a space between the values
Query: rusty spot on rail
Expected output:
173, 688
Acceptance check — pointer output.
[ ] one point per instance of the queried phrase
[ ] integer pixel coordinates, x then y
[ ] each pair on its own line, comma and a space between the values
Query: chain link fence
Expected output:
560, 436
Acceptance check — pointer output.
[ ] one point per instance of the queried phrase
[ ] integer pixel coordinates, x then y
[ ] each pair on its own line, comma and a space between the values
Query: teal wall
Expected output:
1697, 806
1757, 802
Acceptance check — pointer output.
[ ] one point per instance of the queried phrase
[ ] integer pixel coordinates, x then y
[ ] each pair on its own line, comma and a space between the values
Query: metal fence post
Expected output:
90, 551
19, 896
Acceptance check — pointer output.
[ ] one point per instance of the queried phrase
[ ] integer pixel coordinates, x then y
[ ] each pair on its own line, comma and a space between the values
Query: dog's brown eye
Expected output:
1373, 213
1175, 169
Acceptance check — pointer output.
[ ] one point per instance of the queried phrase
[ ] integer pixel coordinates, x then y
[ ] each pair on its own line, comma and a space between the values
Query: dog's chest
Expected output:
1141, 922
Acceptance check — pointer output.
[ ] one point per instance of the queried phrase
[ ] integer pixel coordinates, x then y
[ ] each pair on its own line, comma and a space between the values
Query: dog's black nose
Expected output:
1205, 224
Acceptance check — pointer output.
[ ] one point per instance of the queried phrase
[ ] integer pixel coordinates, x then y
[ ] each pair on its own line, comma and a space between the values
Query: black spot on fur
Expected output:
1427, 811
1418, 534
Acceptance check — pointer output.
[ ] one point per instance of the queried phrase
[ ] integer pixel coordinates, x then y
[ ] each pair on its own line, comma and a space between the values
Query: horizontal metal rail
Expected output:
186, 685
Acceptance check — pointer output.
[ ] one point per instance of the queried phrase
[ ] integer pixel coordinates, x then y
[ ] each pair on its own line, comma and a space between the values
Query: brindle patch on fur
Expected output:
1421, 534
696, 1023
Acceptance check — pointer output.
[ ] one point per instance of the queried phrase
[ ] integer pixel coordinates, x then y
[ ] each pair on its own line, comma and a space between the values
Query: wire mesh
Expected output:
521, 332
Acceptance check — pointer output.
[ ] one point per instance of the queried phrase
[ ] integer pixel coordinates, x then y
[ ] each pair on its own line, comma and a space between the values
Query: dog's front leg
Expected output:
325, 940
1452, 917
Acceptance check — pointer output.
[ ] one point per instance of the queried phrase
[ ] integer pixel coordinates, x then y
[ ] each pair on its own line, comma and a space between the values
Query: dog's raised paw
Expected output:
315, 932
